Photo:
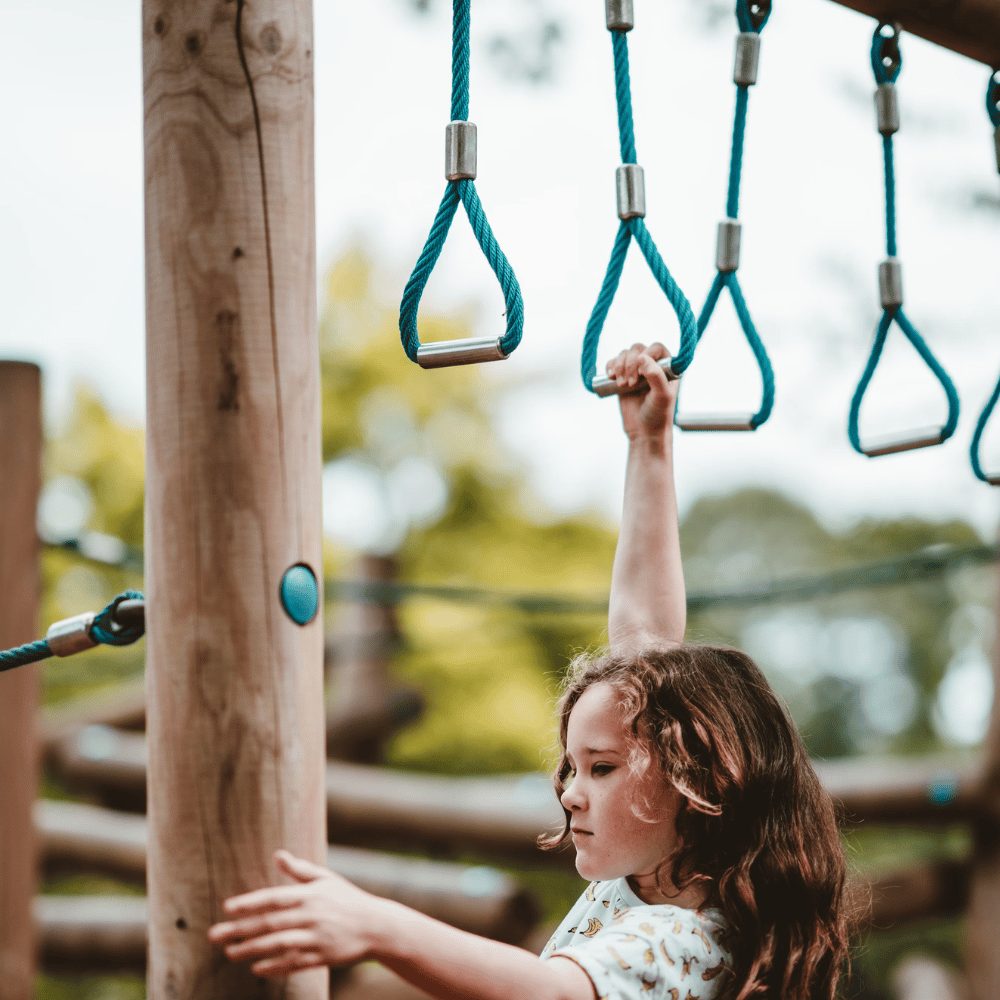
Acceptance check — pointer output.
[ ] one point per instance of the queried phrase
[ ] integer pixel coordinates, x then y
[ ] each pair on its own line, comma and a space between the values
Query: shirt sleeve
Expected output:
637, 957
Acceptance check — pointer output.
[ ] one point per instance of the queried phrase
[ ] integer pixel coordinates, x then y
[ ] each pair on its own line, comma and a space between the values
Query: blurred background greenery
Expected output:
886, 670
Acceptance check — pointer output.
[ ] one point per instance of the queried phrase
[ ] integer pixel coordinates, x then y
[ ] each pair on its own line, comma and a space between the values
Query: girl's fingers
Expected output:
285, 965
279, 897
271, 945
299, 868
657, 350
654, 374
239, 930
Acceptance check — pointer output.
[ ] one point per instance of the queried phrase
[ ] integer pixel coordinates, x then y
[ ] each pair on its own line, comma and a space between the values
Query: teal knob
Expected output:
300, 594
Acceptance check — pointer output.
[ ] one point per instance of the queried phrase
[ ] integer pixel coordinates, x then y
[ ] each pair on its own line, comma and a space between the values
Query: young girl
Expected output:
716, 871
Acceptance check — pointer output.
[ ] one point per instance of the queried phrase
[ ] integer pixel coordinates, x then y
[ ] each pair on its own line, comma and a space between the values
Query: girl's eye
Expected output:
600, 769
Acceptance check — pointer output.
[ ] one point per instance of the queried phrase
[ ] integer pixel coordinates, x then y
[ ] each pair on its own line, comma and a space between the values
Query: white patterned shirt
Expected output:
631, 949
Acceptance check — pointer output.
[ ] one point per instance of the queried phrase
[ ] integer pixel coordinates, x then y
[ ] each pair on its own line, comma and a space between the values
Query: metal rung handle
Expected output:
448, 353
716, 422
604, 386
925, 437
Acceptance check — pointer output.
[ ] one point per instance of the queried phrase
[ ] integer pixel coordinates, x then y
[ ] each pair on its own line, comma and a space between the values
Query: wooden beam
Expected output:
501, 816
481, 900
20, 473
931, 889
235, 705
969, 27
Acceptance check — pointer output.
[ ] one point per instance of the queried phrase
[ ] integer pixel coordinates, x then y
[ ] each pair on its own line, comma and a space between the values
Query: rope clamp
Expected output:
890, 283
887, 108
727, 249
747, 59
71, 635
604, 386
620, 15
460, 151
471, 351
630, 182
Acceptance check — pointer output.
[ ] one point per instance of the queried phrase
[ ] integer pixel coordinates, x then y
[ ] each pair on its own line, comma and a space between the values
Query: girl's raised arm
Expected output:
648, 604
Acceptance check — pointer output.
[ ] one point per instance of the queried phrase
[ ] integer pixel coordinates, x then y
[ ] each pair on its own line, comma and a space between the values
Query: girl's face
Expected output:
604, 794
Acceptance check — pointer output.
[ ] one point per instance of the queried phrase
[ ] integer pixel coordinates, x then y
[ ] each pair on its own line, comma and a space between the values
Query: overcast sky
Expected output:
71, 217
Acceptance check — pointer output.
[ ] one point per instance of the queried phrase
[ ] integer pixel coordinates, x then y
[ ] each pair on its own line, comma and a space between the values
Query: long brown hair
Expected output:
755, 825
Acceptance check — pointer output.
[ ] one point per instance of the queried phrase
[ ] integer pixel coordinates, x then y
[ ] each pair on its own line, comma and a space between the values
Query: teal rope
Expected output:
887, 62
21, 656
993, 110
463, 191
104, 630
748, 21
628, 230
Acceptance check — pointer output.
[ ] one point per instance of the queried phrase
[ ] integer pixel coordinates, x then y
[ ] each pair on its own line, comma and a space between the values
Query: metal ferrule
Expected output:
747, 59
71, 635
620, 15
448, 353
887, 108
716, 422
996, 137
890, 283
460, 151
604, 386
630, 183
926, 437
727, 248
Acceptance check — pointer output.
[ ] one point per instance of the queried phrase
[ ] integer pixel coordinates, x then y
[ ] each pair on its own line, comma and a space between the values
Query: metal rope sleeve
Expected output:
886, 69
993, 110
627, 230
104, 630
463, 191
728, 279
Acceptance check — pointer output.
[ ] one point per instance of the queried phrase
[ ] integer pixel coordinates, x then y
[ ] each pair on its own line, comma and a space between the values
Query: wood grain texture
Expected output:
969, 27
20, 471
235, 700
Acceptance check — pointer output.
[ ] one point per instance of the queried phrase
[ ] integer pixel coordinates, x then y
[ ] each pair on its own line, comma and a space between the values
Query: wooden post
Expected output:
969, 27
982, 954
235, 698
20, 470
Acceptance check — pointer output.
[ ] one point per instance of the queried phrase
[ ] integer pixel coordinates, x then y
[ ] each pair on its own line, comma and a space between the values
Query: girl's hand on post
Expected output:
321, 920
648, 414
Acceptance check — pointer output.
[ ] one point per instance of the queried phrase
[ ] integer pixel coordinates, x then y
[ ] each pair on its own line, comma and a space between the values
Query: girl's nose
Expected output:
571, 798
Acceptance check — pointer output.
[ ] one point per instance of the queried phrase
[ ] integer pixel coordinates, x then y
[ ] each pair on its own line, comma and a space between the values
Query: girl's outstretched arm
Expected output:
323, 919
648, 604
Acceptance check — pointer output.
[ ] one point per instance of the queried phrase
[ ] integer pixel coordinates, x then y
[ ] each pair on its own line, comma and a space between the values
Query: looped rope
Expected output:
751, 17
887, 62
993, 110
109, 632
463, 191
628, 230
104, 630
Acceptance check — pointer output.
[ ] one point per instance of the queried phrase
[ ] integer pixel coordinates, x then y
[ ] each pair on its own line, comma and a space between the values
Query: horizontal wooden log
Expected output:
931, 889
502, 816
903, 789
477, 899
94, 934
124, 707
969, 27
919, 977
